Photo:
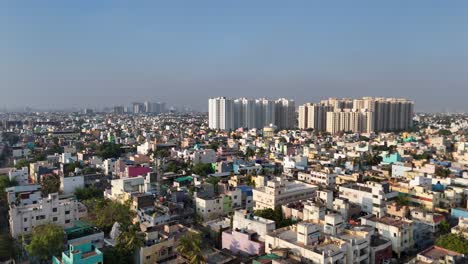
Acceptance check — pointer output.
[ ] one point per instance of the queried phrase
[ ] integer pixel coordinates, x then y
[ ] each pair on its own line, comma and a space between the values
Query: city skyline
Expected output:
87, 54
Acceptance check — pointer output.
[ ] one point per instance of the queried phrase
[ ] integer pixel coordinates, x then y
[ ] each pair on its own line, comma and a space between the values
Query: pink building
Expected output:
245, 241
134, 171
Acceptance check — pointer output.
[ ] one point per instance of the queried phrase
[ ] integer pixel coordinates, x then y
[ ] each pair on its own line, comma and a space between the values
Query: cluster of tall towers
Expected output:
227, 114
140, 108
363, 115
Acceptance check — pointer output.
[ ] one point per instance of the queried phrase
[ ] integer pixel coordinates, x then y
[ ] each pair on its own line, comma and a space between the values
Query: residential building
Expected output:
278, 192
51, 209
85, 253
324, 178
245, 220
400, 232
305, 241
371, 196
245, 241
439, 255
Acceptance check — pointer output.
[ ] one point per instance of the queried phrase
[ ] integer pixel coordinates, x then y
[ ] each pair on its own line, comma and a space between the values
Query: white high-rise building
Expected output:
285, 113
250, 113
266, 113
221, 113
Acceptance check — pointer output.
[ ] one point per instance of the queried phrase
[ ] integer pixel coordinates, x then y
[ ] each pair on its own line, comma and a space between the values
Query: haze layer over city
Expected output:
89, 54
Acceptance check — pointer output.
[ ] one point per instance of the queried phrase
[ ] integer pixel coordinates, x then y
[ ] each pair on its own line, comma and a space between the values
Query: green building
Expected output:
85, 253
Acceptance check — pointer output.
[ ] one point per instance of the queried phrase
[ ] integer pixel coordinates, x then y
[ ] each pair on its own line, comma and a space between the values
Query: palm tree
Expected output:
130, 239
190, 247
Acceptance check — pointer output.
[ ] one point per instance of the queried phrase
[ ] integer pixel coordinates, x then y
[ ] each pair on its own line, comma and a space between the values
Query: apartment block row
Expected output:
363, 115
226, 114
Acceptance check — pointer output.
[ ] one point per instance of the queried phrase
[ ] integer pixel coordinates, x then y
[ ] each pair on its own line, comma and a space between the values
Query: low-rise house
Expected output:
245, 220
439, 255
85, 253
323, 178
279, 192
82, 232
400, 232
242, 240
371, 196
461, 228
21, 176
305, 241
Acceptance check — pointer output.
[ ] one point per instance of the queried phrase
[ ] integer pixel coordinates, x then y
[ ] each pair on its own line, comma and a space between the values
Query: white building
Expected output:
209, 207
371, 196
68, 185
296, 162
226, 114
109, 166
23, 195
303, 242
50, 209
19, 152
285, 113
279, 192
323, 178
203, 156
244, 220
221, 113
21, 176
123, 187
400, 232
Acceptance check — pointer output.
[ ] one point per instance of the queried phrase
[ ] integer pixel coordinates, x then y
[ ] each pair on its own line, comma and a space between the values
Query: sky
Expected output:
60, 54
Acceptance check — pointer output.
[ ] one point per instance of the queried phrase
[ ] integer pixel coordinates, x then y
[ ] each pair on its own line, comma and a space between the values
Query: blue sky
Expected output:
97, 53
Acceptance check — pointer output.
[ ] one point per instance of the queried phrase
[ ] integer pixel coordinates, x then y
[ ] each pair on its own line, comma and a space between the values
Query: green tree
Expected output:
402, 200
214, 181
442, 172
190, 247
5, 183
22, 163
261, 151
7, 248
46, 241
88, 193
109, 150
249, 153
275, 215
444, 227
116, 255
162, 153
202, 169
130, 239
444, 132
50, 184
455, 242
104, 213
214, 146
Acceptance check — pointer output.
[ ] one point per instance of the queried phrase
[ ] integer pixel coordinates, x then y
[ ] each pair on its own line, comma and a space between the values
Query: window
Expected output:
67, 212
25, 229
26, 219
148, 257
67, 221
54, 219
40, 217
54, 210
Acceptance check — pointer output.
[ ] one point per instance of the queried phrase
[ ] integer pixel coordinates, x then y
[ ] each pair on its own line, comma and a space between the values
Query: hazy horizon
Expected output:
59, 54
